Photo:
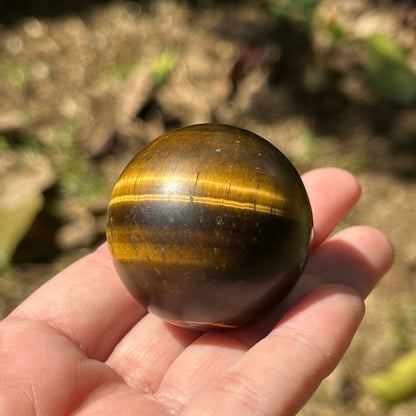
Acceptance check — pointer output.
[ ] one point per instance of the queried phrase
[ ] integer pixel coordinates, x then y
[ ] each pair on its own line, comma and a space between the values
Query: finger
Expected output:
88, 303
356, 257
332, 193
280, 373
149, 349
198, 366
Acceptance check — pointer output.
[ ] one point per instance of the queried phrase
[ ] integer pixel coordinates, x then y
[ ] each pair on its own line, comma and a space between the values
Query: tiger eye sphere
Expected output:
209, 226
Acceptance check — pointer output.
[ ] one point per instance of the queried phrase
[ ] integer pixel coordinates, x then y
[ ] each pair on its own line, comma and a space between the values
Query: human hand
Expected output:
82, 345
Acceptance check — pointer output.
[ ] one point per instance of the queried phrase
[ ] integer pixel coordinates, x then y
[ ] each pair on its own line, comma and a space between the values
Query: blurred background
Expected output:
84, 85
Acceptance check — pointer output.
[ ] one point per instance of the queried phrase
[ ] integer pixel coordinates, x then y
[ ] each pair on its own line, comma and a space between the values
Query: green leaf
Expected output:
163, 67
397, 383
15, 222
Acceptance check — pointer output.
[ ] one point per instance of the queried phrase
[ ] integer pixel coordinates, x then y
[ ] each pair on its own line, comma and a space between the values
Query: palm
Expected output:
81, 344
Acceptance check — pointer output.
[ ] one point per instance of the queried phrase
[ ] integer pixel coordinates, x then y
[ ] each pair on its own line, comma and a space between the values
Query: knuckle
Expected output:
302, 341
240, 390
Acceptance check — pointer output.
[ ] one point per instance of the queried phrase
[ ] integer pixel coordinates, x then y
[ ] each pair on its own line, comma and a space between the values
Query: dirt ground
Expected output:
85, 85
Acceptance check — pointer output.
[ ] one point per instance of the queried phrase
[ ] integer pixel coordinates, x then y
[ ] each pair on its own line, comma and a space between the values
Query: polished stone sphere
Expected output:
209, 226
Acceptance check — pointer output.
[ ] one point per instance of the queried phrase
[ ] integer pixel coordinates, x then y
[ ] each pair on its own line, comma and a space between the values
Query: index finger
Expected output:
88, 303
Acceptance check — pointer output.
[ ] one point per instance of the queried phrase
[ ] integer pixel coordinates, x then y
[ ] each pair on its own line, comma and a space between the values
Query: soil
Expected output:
84, 85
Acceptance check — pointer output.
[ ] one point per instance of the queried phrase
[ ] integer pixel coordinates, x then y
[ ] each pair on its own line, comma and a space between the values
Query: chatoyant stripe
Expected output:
202, 200
153, 254
220, 183
202, 323
236, 195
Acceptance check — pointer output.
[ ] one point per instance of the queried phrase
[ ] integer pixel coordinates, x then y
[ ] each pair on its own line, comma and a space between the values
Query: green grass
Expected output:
355, 162
159, 69
387, 70
77, 178
120, 71
300, 11
15, 74
78, 181
311, 143
27, 145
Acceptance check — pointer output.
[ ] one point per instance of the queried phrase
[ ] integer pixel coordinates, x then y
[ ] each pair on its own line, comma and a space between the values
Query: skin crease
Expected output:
82, 345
